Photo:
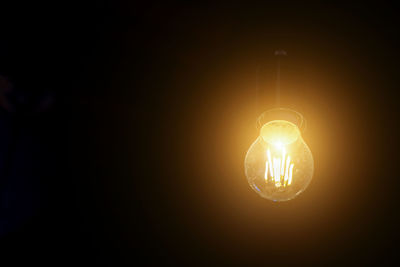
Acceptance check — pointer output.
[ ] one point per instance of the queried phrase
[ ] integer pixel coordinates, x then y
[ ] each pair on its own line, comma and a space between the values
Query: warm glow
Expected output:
280, 133
278, 170
279, 165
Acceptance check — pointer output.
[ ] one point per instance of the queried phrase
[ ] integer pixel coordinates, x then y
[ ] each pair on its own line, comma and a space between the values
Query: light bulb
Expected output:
279, 165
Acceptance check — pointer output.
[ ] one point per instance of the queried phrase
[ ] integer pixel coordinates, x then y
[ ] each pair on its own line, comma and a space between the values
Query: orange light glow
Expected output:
278, 170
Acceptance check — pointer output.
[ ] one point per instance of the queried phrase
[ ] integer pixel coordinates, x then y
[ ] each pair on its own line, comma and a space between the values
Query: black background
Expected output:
140, 160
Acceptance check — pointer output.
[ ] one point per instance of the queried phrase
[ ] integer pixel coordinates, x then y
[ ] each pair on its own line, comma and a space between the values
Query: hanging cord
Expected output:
279, 54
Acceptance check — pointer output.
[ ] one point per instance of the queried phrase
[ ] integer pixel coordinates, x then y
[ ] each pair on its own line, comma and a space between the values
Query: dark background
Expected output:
138, 157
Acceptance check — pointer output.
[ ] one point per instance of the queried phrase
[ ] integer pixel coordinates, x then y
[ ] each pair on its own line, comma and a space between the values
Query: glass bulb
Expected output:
279, 165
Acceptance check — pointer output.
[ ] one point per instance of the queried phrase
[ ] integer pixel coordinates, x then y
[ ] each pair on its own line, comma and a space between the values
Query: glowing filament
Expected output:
278, 170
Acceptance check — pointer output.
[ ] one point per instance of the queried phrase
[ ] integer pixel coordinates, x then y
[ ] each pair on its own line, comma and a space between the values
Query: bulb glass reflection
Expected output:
279, 165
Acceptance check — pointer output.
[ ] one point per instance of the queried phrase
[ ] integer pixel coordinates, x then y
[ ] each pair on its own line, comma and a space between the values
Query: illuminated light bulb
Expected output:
279, 165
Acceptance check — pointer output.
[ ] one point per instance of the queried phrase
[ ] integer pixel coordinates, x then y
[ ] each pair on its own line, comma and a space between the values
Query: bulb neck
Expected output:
280, 133
285, 114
